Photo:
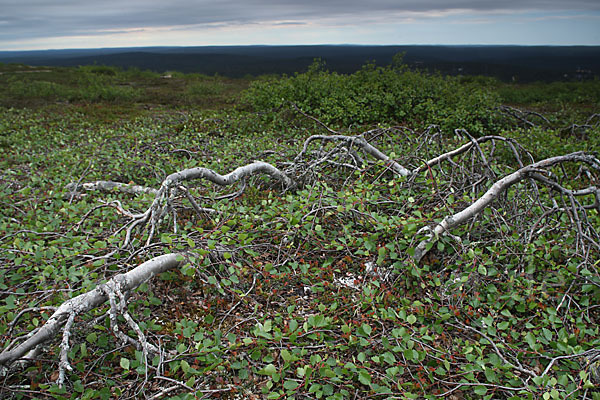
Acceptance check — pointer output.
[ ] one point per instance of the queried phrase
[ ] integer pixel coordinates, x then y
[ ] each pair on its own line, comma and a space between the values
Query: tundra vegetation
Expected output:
383, 234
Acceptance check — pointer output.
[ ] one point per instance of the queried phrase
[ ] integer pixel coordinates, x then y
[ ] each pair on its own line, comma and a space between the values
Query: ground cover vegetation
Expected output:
383, 234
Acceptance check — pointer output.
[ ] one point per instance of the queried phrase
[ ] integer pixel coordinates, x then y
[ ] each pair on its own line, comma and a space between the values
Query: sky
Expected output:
62, 24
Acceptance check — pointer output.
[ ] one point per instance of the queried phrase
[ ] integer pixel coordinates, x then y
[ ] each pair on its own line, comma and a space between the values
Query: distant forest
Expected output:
507, 63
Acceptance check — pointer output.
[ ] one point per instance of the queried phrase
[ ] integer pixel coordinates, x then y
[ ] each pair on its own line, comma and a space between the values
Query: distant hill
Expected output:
521, 63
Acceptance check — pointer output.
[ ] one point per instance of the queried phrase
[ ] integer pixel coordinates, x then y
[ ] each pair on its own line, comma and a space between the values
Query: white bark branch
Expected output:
163, 195
88, 301
230, 178
374, 152
359, 142
462, 149
529, 171
110, 186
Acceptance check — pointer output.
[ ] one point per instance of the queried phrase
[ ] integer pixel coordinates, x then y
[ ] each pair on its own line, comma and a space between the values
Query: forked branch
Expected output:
359, 142
500, 186
172, 183
88, 301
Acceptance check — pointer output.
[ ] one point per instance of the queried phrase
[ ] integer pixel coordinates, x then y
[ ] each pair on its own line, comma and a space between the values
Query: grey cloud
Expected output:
30, 19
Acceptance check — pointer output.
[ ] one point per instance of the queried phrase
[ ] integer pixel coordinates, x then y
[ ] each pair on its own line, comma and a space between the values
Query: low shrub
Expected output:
391, 94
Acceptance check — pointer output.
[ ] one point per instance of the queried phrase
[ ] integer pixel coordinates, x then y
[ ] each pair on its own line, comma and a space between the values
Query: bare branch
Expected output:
359, 141
90, 300
110, 186
464, 148
495, 191
163, 196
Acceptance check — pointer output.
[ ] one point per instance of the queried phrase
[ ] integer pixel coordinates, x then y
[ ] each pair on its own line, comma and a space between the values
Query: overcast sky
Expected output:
44, 24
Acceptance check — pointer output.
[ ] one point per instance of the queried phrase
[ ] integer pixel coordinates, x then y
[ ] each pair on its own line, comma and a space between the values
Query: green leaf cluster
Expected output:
392, 95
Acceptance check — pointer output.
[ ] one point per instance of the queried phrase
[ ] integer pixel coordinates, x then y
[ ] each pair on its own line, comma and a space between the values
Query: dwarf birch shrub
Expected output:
391, 94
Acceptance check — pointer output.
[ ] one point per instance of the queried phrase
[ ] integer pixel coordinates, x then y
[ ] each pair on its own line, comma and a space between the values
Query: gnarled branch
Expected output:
360, 142
88, 301
172, 182
501, 185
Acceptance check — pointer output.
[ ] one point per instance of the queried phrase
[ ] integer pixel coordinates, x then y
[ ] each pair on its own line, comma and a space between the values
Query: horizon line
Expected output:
302, 45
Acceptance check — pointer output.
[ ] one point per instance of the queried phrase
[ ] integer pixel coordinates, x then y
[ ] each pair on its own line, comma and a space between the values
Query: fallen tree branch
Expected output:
161, 203
364, 145
360, 142
522, 115
468, 146
86, 302
516, 366
500, 186
110, 186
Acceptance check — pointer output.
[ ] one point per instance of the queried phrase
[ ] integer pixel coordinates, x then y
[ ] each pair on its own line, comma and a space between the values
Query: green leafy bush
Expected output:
373, 94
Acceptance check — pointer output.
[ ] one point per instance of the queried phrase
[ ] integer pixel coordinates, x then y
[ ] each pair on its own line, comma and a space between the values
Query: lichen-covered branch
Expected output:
171, 183
110, 186
466, 147
357, 141
499, 187
88, 301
